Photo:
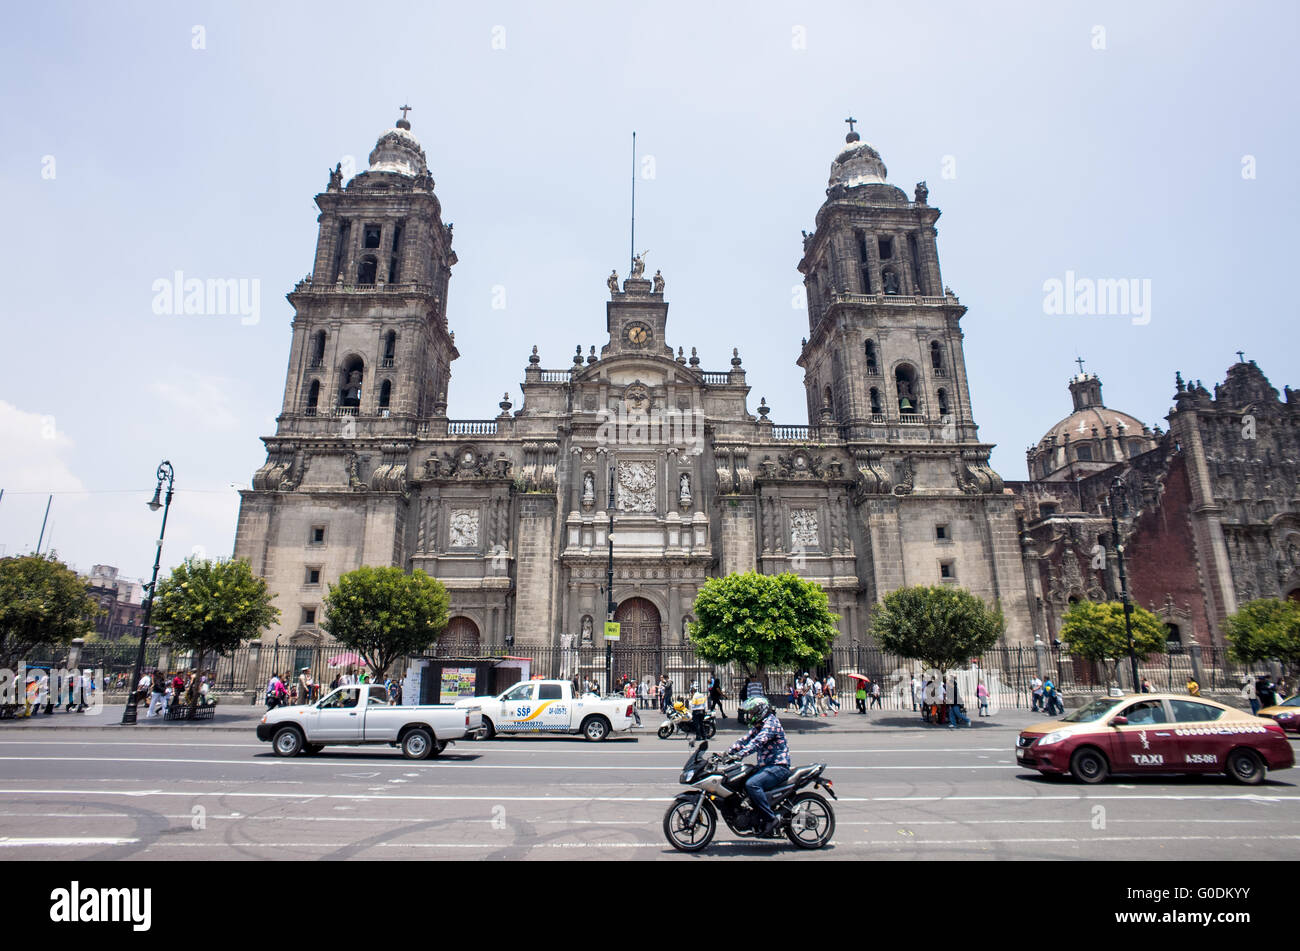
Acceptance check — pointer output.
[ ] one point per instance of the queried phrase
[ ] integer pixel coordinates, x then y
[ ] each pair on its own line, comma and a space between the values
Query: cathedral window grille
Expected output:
936, 358
345, 232
313, 397
371, 237
366, 271
864, 262
317, 536
873, 364
390, 348
318, 350
308, 617
875, 402
943, 402
886, 246
313, 576
385, 397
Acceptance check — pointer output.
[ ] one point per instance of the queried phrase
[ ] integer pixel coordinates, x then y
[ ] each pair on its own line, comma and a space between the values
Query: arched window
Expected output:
390, 347
905, 385
873, 364
366, 272
353, 372
936, 356
826, 399
318, 348
1173, 634
875, 402
385, 394
943, 402
313, 397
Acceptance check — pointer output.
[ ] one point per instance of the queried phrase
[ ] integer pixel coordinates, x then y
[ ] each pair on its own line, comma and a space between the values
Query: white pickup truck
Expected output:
549, 706
359, 714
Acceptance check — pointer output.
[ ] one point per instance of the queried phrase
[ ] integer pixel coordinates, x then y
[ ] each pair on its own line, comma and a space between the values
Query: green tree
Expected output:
385, 613
1096, 632
1265, 629
42, 601
762, 621
941, 626
210, 607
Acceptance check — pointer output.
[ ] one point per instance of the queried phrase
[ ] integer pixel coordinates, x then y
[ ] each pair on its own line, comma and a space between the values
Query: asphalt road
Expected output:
907, 794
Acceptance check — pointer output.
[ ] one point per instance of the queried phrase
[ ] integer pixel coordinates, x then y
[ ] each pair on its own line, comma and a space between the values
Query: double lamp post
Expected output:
165, 474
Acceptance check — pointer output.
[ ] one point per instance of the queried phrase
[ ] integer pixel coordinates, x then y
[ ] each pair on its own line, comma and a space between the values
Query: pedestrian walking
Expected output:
860, 695
667, 700
1248, 694
982, 693
1266, 691
875, 695
1052, 698
1036, 693
914, 686
1146, 686
157, 695
832, 701
716, 696
1193, 687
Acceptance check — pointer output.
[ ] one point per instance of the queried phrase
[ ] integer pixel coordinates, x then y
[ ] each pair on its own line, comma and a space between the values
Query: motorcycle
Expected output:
680, 721
718, 790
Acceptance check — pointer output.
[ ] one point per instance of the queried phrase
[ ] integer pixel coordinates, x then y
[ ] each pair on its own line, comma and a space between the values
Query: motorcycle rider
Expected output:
696, 704
767, 739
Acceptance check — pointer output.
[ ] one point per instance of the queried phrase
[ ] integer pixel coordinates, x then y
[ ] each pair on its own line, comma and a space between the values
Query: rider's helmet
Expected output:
756, 709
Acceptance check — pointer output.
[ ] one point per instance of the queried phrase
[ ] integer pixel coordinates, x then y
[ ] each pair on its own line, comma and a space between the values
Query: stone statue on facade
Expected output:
588, 487
922, 193
612, 281
336, 177
638, 265
587, 635
659, 282
684, 489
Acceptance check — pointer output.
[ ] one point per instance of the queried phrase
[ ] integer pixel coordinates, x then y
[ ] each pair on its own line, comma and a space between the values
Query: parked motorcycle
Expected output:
680, 721
718, 790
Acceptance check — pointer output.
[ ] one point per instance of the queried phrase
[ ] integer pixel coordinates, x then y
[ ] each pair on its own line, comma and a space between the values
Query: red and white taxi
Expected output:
1156, 733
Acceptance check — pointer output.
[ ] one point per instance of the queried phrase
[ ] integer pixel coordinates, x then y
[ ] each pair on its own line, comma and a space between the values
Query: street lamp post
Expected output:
609, 581
1117, 498
165, 474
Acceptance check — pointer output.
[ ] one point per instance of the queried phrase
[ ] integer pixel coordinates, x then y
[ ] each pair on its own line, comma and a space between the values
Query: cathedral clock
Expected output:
638, 334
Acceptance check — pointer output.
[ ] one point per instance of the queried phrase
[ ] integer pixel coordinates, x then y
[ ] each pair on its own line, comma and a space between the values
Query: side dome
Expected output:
1092, 438
399, 151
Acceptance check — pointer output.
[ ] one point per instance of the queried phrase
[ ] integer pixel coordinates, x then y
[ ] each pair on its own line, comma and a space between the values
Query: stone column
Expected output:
253, 671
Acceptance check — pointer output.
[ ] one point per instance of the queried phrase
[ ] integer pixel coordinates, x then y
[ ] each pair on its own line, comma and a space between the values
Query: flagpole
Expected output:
632, 253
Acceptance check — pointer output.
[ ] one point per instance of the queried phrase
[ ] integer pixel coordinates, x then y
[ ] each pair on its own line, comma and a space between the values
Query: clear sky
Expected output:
1148, 141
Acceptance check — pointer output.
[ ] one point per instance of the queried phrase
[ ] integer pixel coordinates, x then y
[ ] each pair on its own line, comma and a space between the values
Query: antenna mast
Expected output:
632, 253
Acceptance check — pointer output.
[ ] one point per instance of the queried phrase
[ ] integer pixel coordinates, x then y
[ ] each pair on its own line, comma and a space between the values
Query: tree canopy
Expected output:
383, 613
1265, 629
1096, 632
42, 601
211, 607
762, 621
939, 625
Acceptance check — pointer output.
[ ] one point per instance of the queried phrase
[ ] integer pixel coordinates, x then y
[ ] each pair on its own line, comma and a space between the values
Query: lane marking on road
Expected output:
442, 762
6, 842
516, 747
395, 797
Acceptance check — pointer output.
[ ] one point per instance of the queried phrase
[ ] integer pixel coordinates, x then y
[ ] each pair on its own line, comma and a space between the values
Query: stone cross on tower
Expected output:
404, 110
850, 120
1241, 357
1079, 360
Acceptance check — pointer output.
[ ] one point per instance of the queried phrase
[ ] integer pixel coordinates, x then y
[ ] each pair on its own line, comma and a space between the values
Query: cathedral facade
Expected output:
887, 483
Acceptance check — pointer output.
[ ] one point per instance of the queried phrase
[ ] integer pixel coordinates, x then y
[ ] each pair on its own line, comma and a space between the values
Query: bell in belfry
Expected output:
905, 405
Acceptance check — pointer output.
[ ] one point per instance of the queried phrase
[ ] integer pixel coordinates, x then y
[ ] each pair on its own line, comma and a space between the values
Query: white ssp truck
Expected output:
549, 706
359, 714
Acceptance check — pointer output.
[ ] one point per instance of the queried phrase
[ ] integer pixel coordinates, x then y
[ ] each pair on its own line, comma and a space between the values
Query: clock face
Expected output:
638, 334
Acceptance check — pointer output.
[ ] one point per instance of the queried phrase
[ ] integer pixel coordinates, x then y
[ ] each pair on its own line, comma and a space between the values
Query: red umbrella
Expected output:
346, 660
858, 677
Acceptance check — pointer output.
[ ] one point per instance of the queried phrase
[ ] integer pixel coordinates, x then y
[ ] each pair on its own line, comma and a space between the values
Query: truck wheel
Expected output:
417, 744
487, 731
595, 728
287, 741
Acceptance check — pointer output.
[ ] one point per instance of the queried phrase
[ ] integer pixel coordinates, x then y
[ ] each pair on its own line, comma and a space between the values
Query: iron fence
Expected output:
1006, 671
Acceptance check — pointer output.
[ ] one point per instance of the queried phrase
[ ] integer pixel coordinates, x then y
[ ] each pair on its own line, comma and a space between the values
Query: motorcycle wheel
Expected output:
812, 821
677, 828
665, 732
710, 731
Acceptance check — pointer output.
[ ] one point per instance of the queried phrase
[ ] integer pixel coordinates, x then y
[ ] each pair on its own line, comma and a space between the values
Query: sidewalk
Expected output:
232, 718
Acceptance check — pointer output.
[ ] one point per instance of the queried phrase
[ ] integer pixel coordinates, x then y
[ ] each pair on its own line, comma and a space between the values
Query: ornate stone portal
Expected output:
637, 482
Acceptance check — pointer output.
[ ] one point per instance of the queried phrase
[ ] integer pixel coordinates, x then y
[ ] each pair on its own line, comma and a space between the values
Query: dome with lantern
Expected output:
1092, 438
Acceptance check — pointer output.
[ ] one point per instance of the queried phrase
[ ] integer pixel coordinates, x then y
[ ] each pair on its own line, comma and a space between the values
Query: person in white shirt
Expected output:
914, 698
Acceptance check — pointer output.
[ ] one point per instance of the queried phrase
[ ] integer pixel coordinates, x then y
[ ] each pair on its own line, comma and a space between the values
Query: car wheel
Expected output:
811, 823
1245, 767
665, 732
681, 834
287, 741
1089, 766
595, 728
487, 730
417, 744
